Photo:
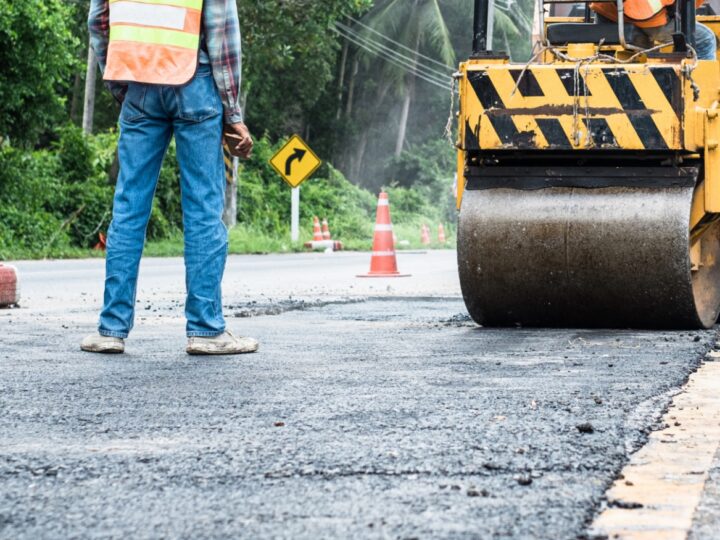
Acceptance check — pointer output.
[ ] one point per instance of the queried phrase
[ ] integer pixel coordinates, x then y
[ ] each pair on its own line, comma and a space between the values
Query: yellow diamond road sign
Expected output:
295, 161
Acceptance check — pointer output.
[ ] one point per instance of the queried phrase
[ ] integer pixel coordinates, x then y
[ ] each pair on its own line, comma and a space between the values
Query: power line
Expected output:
399, 55
390, 58
408, 68
401, 45
391, 55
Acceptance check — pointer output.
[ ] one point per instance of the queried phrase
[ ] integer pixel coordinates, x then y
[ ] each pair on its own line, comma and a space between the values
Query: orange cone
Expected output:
102, 243
332, 245
384, 261
326, 230
441, 234
317, 233
425, 236
9, 286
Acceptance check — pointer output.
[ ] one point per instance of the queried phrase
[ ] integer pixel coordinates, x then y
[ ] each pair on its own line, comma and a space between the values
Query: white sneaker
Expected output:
223, 344
103, 344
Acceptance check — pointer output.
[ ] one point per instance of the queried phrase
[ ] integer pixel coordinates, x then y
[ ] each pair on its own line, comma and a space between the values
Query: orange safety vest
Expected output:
154, 41
641, 13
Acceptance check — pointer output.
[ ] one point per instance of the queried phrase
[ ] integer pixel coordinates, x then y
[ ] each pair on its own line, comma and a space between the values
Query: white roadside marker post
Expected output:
295, 215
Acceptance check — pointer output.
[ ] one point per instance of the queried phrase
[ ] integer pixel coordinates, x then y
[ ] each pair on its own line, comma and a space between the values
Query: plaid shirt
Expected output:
221, 38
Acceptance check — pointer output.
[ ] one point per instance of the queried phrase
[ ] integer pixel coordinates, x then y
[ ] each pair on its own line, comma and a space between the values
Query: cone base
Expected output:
371, 275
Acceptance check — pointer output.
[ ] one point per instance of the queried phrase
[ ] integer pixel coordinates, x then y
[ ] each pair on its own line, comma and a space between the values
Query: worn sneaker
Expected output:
223, 344
103, 344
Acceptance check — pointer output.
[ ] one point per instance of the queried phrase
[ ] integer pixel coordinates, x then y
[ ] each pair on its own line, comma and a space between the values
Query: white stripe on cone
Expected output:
383, 202
383, 253
383, 228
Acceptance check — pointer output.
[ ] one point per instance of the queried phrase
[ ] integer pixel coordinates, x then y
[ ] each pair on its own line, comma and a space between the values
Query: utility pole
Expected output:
351, 90
90, 80
231, 189
341, 83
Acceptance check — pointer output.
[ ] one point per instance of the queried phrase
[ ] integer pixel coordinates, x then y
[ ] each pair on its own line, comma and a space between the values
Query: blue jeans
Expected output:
705, 43
150, 116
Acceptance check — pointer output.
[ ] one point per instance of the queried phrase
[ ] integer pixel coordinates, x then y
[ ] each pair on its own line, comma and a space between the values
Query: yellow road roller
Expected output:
589, 178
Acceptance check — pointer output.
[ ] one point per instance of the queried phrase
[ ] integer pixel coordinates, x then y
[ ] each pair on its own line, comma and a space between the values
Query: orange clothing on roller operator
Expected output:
641, 13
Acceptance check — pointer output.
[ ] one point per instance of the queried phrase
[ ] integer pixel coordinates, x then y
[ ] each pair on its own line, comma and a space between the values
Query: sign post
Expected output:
295, 215
295, 162
231, 188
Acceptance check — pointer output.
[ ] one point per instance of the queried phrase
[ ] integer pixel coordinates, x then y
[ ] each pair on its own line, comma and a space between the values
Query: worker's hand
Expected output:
238, 139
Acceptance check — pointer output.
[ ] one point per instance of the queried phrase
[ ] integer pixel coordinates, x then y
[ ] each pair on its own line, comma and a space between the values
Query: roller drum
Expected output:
577, 257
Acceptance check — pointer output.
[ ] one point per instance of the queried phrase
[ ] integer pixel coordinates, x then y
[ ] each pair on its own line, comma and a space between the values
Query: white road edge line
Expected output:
657, 493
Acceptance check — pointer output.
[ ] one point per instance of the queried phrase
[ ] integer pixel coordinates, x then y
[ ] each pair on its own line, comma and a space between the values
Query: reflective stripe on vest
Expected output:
153, 41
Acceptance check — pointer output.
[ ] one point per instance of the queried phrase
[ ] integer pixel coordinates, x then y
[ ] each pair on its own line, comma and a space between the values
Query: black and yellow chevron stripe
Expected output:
597, 107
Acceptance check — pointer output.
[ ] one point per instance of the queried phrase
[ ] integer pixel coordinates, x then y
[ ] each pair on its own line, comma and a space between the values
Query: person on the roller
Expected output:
656, 25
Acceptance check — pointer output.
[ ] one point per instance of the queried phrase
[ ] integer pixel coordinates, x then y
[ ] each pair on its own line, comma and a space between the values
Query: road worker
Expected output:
175, 67
656, 25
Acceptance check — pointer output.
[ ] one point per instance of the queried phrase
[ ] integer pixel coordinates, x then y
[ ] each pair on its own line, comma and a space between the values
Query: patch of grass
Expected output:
55, 202
60, 252
169, 247
246, 239
243, 239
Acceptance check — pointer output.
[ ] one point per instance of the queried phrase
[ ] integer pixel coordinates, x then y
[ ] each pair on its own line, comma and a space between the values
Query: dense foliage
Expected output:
56, 198
289, 56
312, 68
36, 61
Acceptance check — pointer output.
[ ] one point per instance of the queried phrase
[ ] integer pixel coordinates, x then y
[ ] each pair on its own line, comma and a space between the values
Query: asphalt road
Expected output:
377, 411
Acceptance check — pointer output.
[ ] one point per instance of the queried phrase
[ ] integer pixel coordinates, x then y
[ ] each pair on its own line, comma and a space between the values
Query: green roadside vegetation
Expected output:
367, 83
55, 202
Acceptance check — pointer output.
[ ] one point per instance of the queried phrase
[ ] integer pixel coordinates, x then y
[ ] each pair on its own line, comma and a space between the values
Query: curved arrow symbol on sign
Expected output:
298, 155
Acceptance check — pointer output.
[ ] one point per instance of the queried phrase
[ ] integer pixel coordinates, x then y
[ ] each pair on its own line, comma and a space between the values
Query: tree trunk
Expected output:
77, 99
410, 91
229, 216
359, 157
507, 45
90, 81
231, 204
382, 93
351, 90
341, 81
243, 103
402, 132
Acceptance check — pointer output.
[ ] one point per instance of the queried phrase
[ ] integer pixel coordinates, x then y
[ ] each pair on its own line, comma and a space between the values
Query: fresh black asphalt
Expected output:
380, 419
